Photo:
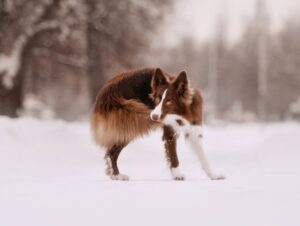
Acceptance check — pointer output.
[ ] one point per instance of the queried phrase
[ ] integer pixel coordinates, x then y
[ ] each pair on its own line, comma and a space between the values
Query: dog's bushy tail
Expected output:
118, 121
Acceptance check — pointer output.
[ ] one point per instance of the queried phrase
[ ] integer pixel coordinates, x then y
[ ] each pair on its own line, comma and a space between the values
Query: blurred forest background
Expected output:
56, 54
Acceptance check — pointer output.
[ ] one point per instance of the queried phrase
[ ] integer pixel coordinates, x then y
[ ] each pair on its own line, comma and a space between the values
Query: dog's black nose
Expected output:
154, 117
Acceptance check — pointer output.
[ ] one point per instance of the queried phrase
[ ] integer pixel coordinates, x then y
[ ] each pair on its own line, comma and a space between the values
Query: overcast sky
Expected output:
197, 17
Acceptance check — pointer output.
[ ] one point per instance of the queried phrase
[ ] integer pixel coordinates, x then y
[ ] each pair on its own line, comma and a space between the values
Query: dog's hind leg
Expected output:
169, 138
111, 158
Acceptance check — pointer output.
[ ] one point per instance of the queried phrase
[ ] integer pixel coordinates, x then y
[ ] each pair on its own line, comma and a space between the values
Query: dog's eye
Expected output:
168, 103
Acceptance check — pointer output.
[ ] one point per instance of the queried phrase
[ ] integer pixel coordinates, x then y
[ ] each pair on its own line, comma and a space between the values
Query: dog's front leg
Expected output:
169, 138
194, 137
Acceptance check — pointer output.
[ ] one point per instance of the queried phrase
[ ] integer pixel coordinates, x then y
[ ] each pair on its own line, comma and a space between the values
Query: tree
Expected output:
217, 65
249, 64
20, 22
283, 77
262, 30
119, 33
58, 51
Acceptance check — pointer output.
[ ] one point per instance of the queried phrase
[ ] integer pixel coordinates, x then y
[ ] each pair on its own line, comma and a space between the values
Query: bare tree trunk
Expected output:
262, 58
262, 77
11, 99
95, 54
216, 61
213, 78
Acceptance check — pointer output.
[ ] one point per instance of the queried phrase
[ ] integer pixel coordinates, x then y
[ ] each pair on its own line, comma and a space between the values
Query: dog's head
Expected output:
170, 98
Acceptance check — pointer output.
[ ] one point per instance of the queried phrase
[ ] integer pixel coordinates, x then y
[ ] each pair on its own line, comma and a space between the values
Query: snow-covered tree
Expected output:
60, 50
20, 23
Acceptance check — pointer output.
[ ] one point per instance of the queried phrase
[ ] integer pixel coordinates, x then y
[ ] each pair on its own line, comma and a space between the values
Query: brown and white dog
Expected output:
133, 103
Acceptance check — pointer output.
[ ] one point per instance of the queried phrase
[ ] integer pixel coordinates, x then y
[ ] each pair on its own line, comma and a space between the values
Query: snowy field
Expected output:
51, 174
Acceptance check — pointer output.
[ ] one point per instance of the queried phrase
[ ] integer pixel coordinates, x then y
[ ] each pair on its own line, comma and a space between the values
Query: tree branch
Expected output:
10, 64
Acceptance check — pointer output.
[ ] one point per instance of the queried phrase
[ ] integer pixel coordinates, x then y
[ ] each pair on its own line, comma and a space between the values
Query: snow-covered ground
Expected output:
51, 174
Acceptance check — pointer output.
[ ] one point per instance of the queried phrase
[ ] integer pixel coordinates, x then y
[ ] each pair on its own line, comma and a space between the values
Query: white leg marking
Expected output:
119, 177
109, 171
176, 174
196, 144
157, 109
108, 166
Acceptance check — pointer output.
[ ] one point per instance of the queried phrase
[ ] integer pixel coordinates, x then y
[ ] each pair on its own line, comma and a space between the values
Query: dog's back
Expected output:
122, 108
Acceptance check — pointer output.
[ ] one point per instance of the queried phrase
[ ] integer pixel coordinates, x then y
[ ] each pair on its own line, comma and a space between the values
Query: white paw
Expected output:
108, 171
119, 177
181, 177
176, 174
217, 177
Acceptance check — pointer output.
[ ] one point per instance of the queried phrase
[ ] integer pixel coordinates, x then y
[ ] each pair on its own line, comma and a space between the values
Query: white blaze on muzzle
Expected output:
156, 113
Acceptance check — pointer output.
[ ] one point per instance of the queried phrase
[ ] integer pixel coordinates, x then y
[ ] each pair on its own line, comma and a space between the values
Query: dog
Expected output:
134, 103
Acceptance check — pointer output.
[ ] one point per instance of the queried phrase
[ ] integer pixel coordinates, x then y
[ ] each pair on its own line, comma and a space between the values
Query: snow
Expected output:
52, 174
9, 66
35, 107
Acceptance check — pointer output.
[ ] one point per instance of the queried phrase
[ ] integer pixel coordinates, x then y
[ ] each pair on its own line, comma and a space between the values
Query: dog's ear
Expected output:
158, 78
181, 84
